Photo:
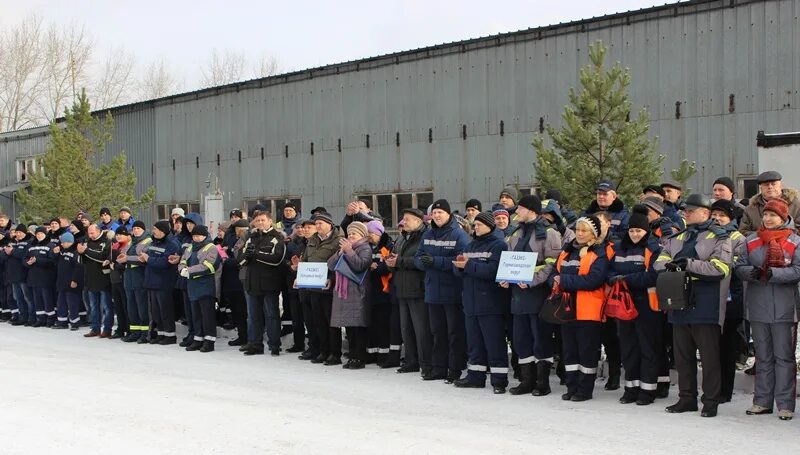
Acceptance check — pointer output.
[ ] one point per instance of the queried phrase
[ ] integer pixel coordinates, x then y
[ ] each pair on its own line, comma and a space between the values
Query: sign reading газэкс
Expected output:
516, 267
311, 275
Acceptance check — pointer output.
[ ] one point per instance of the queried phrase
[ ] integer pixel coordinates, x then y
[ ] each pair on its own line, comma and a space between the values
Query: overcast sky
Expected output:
300, 34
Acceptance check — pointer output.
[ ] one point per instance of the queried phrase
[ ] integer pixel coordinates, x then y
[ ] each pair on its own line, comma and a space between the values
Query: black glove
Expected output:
426, 259
681, 263
769, 273
755, 274
250, 251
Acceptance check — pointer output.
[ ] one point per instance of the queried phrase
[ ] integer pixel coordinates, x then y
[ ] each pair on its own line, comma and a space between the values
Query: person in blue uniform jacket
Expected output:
484, 307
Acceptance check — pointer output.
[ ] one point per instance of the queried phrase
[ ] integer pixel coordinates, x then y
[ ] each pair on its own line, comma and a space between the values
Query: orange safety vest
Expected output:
588, 304
652, 297
385, 279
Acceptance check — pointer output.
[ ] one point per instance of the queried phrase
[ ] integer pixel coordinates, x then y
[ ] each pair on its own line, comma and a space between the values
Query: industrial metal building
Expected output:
457, 120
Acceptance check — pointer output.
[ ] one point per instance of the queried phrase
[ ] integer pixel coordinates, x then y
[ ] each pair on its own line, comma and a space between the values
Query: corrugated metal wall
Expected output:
734, 71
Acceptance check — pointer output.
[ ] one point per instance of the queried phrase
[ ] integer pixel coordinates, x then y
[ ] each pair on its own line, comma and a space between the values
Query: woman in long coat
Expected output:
350, 308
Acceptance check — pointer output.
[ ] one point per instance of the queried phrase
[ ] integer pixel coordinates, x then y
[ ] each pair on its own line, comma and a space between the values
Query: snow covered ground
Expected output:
62, 394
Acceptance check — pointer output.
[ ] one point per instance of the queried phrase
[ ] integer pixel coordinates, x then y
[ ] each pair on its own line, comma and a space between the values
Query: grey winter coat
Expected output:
776, 300
353, 311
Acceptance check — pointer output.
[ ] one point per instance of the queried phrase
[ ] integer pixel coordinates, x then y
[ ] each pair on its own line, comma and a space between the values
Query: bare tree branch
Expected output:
157, 81
115, 80
223, 68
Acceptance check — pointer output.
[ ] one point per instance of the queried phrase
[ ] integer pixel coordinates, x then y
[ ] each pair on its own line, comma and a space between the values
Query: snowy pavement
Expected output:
63, 394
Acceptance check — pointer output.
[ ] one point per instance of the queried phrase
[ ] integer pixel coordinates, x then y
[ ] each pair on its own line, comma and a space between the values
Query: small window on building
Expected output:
748, 186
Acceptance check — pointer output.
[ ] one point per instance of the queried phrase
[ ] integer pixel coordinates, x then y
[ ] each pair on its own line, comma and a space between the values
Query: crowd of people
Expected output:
427, 302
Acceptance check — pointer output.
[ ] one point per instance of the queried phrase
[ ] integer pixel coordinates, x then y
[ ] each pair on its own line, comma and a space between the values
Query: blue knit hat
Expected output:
67, 237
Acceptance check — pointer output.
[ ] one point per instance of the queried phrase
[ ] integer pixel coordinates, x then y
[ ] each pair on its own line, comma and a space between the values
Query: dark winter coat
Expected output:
408, 280
42, 273
710, 268
159, 274
128, 226
662, 229
619, 218
70, 268
184, 238
202, 260
117, 269
16, 268
96, 274
265, 269
134, 269
734, 309
480, 294
354, 310
542, 238
636, 263
444, 243
671, 213
379, 278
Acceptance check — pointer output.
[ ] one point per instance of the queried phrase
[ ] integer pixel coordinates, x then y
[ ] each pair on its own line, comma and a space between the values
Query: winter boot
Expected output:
195, 346
467, 383
645, 398
630, 396
142, 338
237, 342
156, 339
186, 341
561, 373
131, 337
542, 379
244, 347
527, 380
452, 376
662, 390
613, 380
709, 410
255, 349
681, 406
208, 346
165, 341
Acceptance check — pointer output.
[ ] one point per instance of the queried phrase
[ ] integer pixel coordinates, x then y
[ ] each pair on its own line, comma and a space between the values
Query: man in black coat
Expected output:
263, 254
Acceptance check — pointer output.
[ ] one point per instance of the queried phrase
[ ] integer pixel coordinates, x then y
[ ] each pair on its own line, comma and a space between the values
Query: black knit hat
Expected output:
122, 231
475, 204
441, 204
725, 206
105, 211
163, 226
532, 203
21, 227
139, 224
486, 218
639, 221
200, 230
726, 181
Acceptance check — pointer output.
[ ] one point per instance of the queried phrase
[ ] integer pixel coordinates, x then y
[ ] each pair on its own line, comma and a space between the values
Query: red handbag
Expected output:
619, 303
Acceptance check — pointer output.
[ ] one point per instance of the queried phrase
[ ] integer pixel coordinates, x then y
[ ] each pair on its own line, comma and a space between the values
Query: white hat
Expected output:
178, 211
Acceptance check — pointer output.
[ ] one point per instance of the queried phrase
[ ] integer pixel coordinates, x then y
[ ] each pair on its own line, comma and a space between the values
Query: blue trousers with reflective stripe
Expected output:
487, 349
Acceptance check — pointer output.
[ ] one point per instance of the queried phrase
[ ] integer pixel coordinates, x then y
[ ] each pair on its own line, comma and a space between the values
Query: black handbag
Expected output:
559, 308
674, 291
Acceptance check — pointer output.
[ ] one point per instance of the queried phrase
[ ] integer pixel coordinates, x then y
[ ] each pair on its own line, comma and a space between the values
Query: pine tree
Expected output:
683, 173
598, 138
69, 181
